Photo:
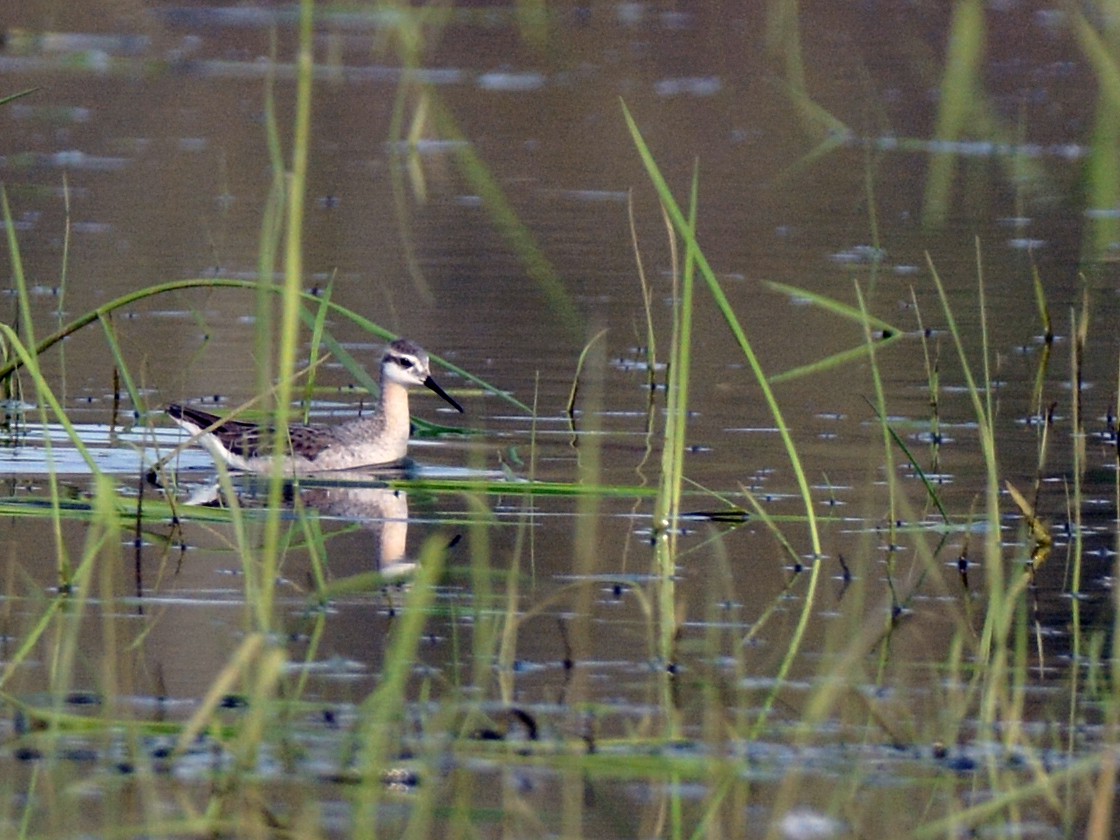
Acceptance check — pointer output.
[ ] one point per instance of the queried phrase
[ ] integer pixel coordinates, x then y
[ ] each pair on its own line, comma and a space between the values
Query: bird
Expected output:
377, 439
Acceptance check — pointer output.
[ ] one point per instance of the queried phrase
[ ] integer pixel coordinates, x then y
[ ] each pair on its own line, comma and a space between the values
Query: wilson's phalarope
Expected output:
378, 439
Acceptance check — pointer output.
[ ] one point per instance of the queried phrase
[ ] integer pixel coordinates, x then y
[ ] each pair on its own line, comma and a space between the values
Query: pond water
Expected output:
829, 159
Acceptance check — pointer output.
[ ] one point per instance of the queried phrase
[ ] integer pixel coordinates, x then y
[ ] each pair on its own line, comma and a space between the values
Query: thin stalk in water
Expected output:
25, 323
732, 320
667, 508
1000, 608
289, 304
685, 231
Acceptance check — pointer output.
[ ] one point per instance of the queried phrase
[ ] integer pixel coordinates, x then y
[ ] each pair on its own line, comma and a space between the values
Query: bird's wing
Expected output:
250, 440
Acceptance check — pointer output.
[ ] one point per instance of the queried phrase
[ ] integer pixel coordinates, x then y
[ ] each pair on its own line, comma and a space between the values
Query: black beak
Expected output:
431, 384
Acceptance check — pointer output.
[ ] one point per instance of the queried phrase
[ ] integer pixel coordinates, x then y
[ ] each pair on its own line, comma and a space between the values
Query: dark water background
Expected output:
150, 118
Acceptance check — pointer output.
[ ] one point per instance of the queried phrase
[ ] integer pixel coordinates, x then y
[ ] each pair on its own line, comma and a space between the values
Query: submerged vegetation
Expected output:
1006, 715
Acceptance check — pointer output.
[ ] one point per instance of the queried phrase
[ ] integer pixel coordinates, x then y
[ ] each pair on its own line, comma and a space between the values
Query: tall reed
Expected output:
685, 231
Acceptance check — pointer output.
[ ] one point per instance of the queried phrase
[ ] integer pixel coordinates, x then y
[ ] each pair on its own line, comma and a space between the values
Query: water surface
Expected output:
142, 158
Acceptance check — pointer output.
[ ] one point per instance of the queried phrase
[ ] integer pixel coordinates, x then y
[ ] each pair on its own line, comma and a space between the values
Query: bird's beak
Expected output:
432, 385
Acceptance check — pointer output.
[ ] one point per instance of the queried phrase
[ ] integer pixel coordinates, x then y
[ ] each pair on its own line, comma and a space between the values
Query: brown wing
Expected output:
251, 441
308, 441
248, 440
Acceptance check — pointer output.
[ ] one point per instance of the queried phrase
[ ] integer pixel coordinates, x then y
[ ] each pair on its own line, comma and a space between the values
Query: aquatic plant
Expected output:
747, 705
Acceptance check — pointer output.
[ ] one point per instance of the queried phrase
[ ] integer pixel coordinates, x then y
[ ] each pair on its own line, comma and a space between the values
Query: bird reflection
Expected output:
366, 502
382, 510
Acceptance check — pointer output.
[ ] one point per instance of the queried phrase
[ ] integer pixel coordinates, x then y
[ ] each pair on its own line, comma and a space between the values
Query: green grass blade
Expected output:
94, 315
14, 96
139, 405
317, 331
290, 296
960, 99
836, 360
993, 561
725, 308
1102, 175
808, 604
901, 444
836, 307
505, 218
381, 712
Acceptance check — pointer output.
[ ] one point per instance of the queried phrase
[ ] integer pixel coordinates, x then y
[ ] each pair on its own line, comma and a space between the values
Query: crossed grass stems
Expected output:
1000, 670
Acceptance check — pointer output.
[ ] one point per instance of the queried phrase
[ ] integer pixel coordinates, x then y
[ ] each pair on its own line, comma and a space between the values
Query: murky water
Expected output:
141, 158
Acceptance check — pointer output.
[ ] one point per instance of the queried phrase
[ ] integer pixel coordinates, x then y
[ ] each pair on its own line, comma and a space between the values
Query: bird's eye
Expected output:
404, 362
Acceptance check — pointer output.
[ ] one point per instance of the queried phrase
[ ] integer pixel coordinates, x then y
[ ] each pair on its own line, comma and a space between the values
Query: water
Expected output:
149, 121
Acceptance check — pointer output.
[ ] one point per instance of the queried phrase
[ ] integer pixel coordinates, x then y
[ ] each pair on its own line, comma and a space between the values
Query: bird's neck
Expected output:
394, 406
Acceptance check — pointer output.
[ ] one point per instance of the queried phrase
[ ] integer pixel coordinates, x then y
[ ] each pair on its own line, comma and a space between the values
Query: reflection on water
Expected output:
379, 511
382, 511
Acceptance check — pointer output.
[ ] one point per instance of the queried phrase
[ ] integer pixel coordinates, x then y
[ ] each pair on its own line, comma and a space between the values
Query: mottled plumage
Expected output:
378, 439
